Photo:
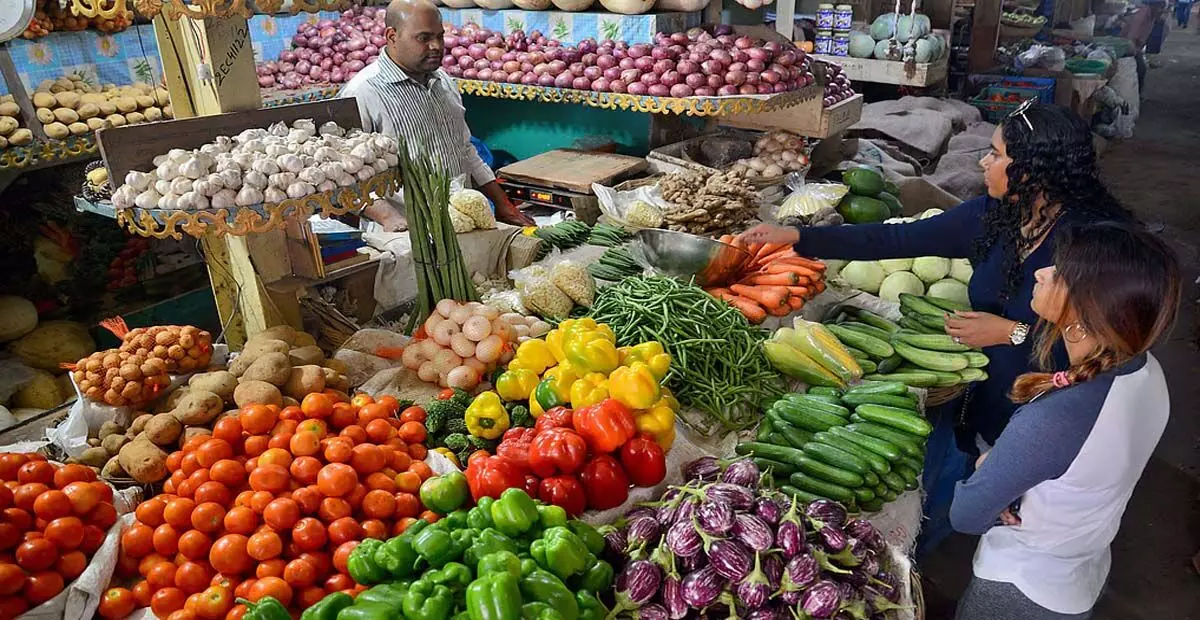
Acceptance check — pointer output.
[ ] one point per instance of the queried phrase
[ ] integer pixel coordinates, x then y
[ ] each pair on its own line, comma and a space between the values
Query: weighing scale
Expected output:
561, 180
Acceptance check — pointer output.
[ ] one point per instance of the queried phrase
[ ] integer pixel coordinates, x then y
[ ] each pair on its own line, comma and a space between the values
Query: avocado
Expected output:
893, 204
863, 209
863, 181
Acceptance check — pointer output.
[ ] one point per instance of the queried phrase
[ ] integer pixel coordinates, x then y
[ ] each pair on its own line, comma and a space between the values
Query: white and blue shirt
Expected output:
1072, 457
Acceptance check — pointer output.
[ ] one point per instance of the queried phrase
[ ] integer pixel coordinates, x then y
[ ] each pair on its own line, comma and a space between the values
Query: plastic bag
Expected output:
1044, 56
573, 279
633, 209
539, 293
811, 204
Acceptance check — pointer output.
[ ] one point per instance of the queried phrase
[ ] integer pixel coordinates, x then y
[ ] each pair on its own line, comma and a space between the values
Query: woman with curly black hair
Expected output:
1041, 174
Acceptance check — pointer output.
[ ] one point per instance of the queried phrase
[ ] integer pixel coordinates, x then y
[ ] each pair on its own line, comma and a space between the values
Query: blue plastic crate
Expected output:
995, 111
1044, 86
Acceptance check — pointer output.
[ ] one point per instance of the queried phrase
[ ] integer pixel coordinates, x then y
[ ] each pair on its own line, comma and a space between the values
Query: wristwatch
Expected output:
1018, 334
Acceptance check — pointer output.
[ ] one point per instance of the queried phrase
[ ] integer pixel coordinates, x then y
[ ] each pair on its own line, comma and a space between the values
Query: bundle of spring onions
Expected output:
441, 272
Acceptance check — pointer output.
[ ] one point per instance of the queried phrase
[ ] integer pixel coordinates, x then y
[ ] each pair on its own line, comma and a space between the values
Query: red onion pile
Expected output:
682, 64
328, 52
837, 85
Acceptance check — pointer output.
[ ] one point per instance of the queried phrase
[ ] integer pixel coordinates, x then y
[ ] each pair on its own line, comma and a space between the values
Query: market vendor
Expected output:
1041, 174
1138, 29
1048, 498
405, 93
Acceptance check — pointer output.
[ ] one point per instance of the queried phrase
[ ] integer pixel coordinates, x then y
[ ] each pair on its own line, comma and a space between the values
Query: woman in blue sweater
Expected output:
1041, 174
1076, 447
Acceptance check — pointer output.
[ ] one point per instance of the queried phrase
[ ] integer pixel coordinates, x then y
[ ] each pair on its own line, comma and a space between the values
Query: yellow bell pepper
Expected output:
486, 416
588, 391
649, 353
634, 386
591, 351
534, 355
658, 421
449, 454
535, 408
516, 384
554, 340
558, 380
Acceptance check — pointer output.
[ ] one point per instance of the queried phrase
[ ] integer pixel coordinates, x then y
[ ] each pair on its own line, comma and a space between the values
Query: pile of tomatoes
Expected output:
54, 518
271, 504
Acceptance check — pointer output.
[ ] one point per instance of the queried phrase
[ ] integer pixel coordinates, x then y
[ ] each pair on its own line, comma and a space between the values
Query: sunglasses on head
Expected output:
1020, 112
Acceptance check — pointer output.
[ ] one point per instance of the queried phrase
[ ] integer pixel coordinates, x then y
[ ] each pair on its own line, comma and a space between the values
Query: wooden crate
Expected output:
573, 170
809, 119
890, 71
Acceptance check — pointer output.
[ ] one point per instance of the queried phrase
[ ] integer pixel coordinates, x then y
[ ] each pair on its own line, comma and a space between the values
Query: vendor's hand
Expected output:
386, 217
770, 233
509, 214
1008, 518
979, 329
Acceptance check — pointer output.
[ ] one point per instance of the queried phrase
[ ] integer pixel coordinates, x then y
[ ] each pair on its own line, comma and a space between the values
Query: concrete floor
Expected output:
1153, 174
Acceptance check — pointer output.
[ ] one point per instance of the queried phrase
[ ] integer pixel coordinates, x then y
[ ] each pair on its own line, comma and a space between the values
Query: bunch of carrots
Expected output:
774, 281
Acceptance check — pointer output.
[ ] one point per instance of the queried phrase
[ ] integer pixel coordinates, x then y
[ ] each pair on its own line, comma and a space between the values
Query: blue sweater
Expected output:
952, 235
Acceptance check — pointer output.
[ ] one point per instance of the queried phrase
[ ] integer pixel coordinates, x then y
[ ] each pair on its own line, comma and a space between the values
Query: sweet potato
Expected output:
198, 407
306, 355
256, 393
163, 429
143, 461
274, 368
305, 380
219, 382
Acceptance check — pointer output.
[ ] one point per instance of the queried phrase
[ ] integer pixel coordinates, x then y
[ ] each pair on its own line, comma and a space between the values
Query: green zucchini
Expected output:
929, 342
836, 457
817, 403
807, 419
803, 496
827, 391
877, 463
881, 334
782, 470
878, 446
783, 454
829, 473
879, 387
917, 326
908, 377
949, 305
907, 401
886, 365
908, 444
976, 359
863, 494
972, 374
871, 345
933, 360
895, 417
872, 319
912, 305
821, 488
894, 481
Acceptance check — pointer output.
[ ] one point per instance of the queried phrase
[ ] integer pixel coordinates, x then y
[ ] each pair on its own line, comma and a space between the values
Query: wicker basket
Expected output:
918, 596
941, 395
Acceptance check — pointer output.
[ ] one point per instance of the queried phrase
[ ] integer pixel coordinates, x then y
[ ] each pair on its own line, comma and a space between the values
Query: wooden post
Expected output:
985, 32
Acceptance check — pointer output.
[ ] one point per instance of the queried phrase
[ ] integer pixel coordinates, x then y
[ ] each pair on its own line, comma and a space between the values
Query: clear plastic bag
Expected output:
539, 293
811, 204
633, 209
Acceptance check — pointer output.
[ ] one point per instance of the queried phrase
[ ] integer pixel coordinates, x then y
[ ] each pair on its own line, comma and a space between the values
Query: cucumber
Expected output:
878, 446
808, 419
874, 505
803, 496
863, 494
879, 387
887, 365
909, 476
933, 360
783, 470
887, 495
917, 326
944, 378
816, 403
871, 345
867, 365
912, 305
828, 391
825, 398
976, 359
908, 444
895, 417
783, 454
764, 429
821, 488
914, 464
915, 379
936, 324
872, 319
857, 354
881, 334
972, 374
791, 435
777, 439
930, 342
836, 457
877, 463
891, 400
948, 305
894, 481
829, 473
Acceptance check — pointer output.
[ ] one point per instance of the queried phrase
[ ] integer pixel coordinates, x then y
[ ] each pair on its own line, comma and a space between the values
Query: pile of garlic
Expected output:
775, 153
259, 166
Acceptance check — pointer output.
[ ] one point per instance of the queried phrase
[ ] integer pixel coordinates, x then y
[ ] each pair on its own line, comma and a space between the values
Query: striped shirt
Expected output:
430, 117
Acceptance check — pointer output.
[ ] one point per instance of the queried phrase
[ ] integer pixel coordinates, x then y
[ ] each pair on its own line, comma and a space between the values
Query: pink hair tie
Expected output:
1061, 379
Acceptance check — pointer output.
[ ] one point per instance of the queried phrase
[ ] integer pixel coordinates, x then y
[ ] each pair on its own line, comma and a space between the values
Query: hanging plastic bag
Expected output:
811, 204
633, 209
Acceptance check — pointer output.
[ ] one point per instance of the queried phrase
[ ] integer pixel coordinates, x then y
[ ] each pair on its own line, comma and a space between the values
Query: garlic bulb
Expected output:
274, 194
346, 179
265, 166
282, 179
326, 186
352, 164
278, 129
224, 199
250, 134
300, 189
312, 176
169, 202
364, 152
178, 155
255, 179
296, 136
249, 196
365, 173
385, 143
162, 186
181, 185
306, 124
159, 160
138, 180
204, 187
254, 146
391, 159
290, 163
193, 167
332, 169
167, 170
231, 178
326, 153
331, 128
275, 150
124, 196
215, 181
244, 160
193, 201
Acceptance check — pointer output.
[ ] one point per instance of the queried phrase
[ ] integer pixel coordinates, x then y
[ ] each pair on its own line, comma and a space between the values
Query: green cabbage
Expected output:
864, 275
960, 269
900, 282
949, 289
892, 265
931, 268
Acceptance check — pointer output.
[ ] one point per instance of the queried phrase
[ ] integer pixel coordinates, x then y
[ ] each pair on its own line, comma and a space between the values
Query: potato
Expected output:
87, 110
173, 399
153, 114
274, 368
56, 130
144, 461
256, 393
110, 428
135, 117
21, 137
93, 442
198, 407
139, 423
125, 104
96, 457
335, 380
169, 112
163, 429
219, 382
8, 125
61, 85
112, 444
67, 100
162, 96
116, 120
337, 365
3, 142
44, 100
253, 350
305, 380
93, 98
192, 431
107, 107
288, 401
306, 355
112, 469
144, 101
8, 108
65, 115
96, 122
78, 129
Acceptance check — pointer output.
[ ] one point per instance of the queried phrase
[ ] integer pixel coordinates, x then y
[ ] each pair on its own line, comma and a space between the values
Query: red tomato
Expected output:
37, 554
116, 603
228, 555
41, 587
66, 533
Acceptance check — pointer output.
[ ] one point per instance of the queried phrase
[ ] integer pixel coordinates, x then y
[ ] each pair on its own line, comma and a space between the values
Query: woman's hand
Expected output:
982, 457
770, 233
1008, 518
979, 329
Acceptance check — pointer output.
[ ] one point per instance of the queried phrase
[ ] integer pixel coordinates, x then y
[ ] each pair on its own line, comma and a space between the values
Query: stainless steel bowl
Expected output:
680, 254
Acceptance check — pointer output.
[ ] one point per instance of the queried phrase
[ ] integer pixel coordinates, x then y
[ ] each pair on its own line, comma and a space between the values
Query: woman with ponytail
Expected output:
1048, 497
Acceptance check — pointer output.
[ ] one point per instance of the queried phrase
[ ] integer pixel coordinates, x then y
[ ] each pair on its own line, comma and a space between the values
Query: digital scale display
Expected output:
539, 195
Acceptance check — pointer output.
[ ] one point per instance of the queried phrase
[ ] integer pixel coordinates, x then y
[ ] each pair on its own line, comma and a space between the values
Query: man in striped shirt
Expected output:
405, 93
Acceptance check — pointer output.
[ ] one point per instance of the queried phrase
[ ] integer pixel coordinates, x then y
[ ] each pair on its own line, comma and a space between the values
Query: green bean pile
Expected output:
718, 370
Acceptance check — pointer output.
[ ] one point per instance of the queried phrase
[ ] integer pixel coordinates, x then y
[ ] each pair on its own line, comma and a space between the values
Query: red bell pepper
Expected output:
605, 482
514, 446
606, 426
490, 476
565, 492
532, 483
644, 461
557, 417
557, 451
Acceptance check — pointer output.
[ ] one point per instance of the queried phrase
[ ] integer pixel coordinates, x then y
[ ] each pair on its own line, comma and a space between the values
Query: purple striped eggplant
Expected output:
764, 613
767, 509
800, 571
683, 539
615, 542
889, 586
642, 531
653, 611
672, 599
738, 497
703, 468
822, 600
832, 538
791, 597
715, 518
864, 531
730, 558
637, 512
789, 537
638, 583
743, 473
753, 532
824, 512
755, 589
702, 587
772, 565
693, 563
870, 564
686, 510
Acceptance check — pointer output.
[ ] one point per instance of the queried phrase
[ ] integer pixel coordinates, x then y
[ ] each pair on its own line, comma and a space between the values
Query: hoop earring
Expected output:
1075, 333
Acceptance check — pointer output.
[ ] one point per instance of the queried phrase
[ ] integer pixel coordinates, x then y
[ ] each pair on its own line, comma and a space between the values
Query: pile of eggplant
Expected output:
726, 545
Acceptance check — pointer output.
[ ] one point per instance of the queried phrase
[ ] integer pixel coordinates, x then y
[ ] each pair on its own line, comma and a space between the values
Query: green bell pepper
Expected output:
396, 556
514, 513
550, 394
551, 516
544, 587
267, 608
458, 520
370, 611
527, 566
495, 596
426, 600
362, 565
383, 594
454, 575
539, 611
598, 577
592, 539
499, 562
445, 493
437, 545
590, 607
561, 552
480, 517
328, 607
486, 542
